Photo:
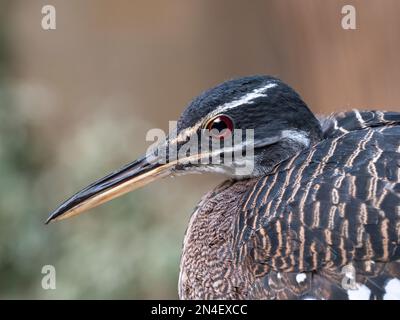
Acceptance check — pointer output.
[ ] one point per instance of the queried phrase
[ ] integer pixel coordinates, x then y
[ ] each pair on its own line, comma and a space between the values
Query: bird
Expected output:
310, 212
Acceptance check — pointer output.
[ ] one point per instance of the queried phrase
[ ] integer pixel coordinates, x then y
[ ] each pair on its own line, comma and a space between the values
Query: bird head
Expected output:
241, 128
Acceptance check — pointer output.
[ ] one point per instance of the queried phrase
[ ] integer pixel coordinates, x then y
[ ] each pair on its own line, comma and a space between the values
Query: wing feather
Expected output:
337, 204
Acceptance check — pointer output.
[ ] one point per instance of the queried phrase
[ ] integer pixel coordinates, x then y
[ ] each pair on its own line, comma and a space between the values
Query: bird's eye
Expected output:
220, 127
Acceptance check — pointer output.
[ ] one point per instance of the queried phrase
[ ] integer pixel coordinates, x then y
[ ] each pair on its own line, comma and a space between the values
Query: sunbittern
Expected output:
318, 216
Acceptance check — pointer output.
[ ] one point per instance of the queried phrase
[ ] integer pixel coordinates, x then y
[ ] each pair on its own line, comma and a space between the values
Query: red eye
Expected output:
220, 127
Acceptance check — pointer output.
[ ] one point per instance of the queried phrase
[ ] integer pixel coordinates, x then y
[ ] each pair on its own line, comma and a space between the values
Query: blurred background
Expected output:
76, 103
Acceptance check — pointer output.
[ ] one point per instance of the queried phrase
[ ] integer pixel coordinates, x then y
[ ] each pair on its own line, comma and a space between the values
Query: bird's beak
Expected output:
134, 175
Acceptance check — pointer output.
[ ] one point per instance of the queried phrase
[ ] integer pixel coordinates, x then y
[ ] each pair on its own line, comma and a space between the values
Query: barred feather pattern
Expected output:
291, 233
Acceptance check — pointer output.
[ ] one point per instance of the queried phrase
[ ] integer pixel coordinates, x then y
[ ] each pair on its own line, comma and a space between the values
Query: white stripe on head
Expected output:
248, 98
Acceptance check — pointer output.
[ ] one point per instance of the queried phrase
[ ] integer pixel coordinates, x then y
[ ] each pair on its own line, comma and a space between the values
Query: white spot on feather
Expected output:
361, 293
392, 289
300, 277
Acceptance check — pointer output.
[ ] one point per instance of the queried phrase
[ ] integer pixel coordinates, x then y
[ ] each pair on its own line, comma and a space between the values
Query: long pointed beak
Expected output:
126, 179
